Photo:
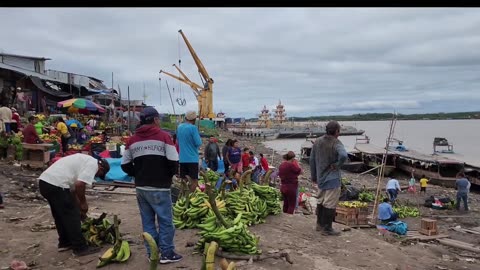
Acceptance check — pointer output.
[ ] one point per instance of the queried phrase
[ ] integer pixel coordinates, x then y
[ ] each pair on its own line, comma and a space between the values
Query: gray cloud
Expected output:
317, 61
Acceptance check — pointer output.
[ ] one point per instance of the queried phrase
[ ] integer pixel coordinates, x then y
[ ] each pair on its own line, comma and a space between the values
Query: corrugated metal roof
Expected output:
28, 72
25, 56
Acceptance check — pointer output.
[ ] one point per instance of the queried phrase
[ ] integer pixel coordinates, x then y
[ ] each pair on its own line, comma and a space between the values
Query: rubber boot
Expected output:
320, 222
329, 216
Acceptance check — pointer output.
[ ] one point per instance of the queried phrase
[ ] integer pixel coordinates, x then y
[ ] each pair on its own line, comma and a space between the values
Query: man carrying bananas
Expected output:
71, 172
327, 156
151, 157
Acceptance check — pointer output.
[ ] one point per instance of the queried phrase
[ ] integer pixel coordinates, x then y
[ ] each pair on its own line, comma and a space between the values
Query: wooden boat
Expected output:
372, 156
439, 169
473, 174
306, 148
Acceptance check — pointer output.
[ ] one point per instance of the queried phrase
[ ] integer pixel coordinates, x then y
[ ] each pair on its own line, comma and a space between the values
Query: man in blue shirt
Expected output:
189, 142
393, 187
462, 185
327, 156
385, 212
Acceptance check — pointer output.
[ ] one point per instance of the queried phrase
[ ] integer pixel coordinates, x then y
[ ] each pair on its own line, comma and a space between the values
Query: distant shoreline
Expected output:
387, 117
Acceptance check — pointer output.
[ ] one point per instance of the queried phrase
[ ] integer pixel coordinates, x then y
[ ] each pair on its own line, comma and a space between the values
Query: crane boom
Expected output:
195, 57
204, 93
195, 87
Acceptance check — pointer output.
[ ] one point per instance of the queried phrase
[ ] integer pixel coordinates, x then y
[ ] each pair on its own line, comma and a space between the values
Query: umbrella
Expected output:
81, 104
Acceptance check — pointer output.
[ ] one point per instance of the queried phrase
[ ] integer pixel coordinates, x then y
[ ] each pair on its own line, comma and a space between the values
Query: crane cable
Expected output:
180, 97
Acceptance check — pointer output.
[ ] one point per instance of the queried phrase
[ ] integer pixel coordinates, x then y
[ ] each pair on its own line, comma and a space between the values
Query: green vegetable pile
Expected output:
366, 196
406, 211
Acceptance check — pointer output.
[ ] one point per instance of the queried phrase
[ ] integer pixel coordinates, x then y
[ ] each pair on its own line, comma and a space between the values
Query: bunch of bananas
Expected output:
406, 211
212, 177
49, 138
270, 195
122, 255
197, 209
98, 231
120, 252
353, 204
253, 210
366, 196
236, 239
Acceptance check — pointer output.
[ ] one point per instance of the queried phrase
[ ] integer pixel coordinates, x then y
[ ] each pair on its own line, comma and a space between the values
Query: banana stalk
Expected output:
232, 266
153, 250
213, 203
247, 177
205, 250
224, 264
266, 178
210, 257
187, 192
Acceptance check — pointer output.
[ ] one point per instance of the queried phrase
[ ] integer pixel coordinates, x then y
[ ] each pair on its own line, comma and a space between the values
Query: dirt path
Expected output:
355, 249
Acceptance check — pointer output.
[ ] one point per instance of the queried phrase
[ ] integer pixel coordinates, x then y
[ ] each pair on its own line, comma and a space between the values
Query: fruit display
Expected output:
47, 138
404, 211
98, 231
198, 208
120, 252
366, 196
353, 204
96, 139
76, 147
270, 195
236, 239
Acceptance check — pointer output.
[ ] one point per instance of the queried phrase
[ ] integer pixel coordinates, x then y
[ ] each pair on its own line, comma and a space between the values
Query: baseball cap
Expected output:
148, 114
191, 115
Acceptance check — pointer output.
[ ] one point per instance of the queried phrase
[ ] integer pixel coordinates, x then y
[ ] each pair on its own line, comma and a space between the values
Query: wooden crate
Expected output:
351, 216
428, 227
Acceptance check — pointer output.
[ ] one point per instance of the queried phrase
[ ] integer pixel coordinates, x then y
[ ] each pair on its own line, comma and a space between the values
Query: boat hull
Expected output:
301, 135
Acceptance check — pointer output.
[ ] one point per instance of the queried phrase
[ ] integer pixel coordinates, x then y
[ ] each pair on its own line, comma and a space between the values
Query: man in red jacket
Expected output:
150, 156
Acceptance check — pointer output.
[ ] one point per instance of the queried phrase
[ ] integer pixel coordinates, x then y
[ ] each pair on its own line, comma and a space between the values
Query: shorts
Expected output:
236, 167
190, 169
423, 189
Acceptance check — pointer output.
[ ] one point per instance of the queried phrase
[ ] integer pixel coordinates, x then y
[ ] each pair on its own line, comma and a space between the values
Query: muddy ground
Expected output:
354, 249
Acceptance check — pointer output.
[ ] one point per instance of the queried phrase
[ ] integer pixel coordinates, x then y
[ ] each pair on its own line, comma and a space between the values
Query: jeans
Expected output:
213, 164
393, 194
464, 197
66, 214
157, 203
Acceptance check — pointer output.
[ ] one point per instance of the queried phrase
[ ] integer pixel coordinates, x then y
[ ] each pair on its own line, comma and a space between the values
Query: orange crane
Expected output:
204, 94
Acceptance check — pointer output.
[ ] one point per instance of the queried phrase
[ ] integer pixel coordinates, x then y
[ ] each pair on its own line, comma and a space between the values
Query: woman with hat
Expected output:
288, 172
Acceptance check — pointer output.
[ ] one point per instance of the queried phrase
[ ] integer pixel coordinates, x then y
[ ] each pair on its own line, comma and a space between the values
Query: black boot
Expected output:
329, 216
320, 221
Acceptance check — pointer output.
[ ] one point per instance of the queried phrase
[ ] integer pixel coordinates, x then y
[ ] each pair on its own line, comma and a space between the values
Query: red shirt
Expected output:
289, 172
16, 117
245, 159
264, 163
30, 134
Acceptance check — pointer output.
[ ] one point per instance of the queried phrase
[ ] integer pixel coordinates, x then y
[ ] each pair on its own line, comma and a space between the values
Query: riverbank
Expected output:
354, 249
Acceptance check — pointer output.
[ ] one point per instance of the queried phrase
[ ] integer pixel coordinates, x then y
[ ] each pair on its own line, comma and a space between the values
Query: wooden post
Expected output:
382, 168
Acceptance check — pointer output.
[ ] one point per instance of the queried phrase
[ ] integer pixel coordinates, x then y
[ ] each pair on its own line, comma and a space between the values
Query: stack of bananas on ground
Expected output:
236, 239
120, 252
404, 211
270, 195
98, 231
197, 209
253, 210
353, 204
111, 255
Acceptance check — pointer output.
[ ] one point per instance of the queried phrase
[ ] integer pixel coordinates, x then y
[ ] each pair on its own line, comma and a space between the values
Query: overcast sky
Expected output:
316, 61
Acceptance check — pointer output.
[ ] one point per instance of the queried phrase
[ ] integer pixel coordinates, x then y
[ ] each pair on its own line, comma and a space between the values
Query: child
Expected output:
423, 184
411, 185
245, 159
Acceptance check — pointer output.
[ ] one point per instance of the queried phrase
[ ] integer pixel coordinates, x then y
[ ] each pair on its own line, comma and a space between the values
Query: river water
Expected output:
415, 134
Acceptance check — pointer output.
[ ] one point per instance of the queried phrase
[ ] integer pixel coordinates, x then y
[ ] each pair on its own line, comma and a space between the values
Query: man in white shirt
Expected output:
393, 187
68, 208
92, 123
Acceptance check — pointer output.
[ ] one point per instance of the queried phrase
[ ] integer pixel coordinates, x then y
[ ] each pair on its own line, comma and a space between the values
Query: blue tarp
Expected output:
221, 167
116, 173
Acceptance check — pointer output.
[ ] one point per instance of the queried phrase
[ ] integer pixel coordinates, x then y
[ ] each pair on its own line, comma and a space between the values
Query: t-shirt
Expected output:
462, 185
69, 169
264, 163
245, 159
188, 141
393, 184
423, 182
30, 134
385, 211
92, 123
411, 182
62, 127
234, 155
